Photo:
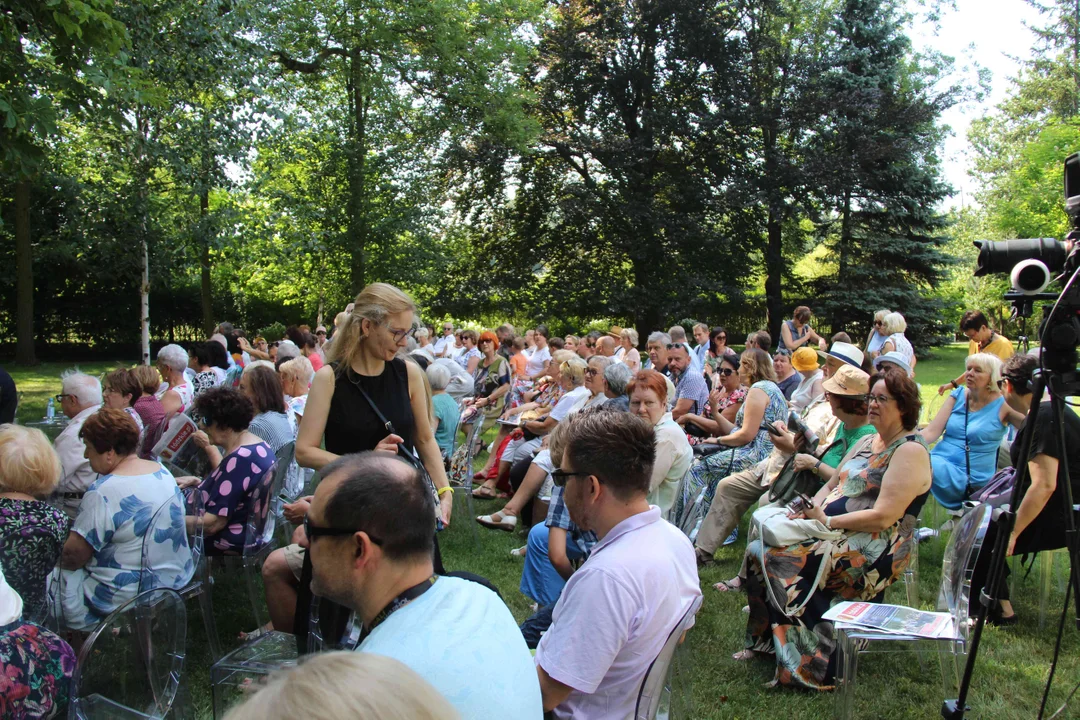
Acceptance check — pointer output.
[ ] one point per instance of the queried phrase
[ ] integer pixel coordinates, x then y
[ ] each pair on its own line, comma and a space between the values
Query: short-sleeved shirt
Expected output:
559, 517
113, 518
464, 358
844, 441
537, 361
518, 362
226, 492
447, 412
570, 401
999, 346
692, 385
461, 638
616, 613
203, 381
297, 404
1047, 531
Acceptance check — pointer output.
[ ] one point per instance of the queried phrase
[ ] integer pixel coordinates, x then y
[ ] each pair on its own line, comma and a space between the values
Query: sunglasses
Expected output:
725, 372
314, 531
61, 396
591, 372
558, 477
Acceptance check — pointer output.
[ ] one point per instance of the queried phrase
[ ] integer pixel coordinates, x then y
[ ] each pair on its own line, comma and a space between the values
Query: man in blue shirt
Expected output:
370, 534
691, 392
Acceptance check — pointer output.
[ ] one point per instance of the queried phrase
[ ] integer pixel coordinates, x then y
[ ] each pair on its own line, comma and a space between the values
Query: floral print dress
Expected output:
860, 566
35, 672
706, 474
32, 535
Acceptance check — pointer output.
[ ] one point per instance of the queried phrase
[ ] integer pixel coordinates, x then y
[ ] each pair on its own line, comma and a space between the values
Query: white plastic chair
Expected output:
130, 666
656, 688
957, 567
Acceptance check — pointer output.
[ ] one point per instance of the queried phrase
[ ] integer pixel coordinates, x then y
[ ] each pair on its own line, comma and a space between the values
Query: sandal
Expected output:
519, 552
485, 493
732, 585
744, 655
704, 559
258, 633
504, 522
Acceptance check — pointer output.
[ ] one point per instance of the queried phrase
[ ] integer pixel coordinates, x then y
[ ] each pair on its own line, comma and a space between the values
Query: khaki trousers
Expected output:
735, 494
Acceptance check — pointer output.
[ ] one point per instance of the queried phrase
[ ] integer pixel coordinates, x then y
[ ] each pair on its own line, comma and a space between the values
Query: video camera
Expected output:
1032, 263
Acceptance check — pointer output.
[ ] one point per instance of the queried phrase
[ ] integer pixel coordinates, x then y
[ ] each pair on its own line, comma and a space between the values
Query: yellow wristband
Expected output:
444, 490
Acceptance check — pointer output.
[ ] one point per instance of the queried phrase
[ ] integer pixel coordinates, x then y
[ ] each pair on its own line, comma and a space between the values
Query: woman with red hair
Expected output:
491, 382
648, 400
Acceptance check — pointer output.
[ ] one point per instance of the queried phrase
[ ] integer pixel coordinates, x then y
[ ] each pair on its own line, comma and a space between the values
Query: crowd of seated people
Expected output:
603, 453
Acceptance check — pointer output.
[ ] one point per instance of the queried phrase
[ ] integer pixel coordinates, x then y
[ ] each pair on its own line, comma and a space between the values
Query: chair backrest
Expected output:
348, 640
292, 478
134, 659
959, 563
259, 528
194, 508
166, 536
652, 687
21, 542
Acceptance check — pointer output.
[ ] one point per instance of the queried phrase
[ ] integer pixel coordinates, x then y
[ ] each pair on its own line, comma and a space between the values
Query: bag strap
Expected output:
374, 408
762, 555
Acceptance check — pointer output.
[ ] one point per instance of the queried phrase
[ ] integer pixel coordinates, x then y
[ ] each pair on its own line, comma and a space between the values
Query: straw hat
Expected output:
615, 332
804, 360
848, 380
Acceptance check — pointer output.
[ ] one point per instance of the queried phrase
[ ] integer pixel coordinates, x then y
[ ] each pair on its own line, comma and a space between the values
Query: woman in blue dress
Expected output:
746, 439
970, 425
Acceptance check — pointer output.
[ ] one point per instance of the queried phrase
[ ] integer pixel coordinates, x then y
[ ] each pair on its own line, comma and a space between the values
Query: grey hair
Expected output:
174, 357
990, 364
438, 376
421, 332
260, 363
677, 333
287, 349
894, 323
618, 376
84, 388
660, 337
602, 361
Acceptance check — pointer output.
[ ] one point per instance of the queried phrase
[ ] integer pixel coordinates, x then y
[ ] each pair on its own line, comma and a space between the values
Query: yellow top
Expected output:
999, 345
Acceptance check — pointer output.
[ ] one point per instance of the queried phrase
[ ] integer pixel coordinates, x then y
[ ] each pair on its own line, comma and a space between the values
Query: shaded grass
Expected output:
1013, 663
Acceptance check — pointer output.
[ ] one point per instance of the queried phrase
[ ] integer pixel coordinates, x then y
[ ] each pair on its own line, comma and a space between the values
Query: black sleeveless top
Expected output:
352, 426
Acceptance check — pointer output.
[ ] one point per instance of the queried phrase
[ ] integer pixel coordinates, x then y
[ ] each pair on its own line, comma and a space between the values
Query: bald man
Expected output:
605, 346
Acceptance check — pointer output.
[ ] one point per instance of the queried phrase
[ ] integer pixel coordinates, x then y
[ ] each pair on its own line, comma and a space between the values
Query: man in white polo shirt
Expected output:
617, 611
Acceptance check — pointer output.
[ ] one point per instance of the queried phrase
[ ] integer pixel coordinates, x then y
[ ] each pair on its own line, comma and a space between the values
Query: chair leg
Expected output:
206, 606
254, 588
1046, 576
846, 669
911, 576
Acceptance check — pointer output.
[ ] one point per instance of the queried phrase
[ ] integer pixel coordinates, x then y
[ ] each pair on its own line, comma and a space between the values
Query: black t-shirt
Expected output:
9, 398
1047, 531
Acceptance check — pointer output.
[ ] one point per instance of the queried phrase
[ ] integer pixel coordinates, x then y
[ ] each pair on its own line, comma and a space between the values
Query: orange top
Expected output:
518, 362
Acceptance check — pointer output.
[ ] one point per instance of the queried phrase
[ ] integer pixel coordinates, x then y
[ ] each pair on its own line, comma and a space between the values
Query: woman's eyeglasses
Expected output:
591, 372
879, 399
726, 372
400, 335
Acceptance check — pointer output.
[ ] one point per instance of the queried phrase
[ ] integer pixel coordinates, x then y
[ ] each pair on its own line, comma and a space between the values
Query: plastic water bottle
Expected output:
50, 409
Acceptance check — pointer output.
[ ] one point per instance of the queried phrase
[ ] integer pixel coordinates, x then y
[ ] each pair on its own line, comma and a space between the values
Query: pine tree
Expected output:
876, 155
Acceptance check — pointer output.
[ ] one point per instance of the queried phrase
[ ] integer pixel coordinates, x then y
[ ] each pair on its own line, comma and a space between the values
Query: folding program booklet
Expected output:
178, 451
894, 619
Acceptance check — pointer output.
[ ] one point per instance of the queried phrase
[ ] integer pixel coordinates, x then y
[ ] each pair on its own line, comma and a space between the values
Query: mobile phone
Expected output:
800, 503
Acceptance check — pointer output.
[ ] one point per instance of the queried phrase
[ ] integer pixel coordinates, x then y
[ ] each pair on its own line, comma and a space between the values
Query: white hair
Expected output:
173, 357
990, 364
421, 332
83, 387
220, 339
300, 368
660, 337
260, 363
438, 376
328, 686
894, 323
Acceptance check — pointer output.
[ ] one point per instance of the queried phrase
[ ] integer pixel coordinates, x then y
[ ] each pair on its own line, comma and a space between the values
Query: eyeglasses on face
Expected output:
314, 531
726, 372
558, 477
591, 372
61, 396
879, 399
400, 335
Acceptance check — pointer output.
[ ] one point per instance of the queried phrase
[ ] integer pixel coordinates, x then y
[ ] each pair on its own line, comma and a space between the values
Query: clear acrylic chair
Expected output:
656, 695
131, 665
233, 675
259, 536
463, 488
957, 567
197, 580
911, 572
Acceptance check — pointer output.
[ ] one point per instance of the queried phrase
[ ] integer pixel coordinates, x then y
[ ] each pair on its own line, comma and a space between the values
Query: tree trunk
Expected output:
205, 297
24, 287
774, 277
357, 158
840, 314
144, 300
143, 194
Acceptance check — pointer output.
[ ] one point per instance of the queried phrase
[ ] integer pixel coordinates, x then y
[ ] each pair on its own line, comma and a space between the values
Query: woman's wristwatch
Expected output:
828, 521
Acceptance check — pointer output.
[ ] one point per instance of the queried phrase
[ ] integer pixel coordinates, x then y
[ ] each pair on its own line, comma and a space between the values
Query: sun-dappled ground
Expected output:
1013, 663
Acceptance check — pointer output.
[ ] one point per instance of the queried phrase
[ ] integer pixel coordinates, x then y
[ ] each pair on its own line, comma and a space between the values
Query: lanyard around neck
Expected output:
397, 603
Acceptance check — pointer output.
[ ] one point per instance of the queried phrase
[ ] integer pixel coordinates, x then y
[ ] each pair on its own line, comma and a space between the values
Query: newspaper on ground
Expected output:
893, 619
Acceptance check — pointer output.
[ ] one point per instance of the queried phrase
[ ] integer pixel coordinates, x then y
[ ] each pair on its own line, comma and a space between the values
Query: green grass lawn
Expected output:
1013, 662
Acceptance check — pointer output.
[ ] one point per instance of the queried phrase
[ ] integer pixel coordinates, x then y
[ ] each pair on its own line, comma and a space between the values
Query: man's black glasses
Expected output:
313, 531
558, 477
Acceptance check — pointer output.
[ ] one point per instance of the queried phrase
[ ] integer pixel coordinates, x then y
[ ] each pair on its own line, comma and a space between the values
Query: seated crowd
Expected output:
629, 471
